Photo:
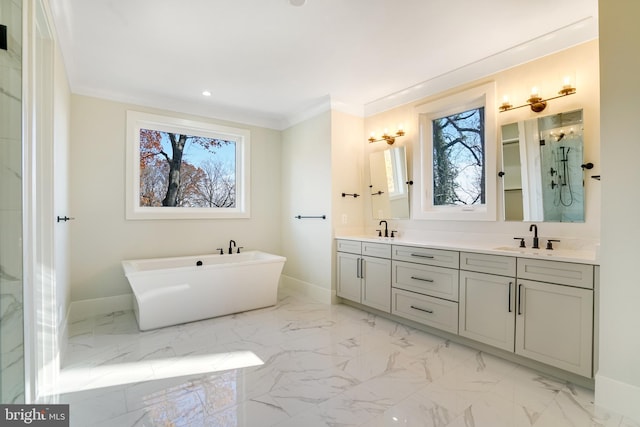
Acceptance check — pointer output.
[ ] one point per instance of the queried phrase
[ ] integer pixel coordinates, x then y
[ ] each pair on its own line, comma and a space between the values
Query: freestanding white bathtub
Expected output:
170, 291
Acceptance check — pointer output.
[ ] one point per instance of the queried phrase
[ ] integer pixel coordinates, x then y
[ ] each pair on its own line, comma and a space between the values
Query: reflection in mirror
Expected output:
542, 165
389, 188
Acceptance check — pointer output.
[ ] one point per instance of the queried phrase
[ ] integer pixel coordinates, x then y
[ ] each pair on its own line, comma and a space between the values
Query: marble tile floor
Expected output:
303, 364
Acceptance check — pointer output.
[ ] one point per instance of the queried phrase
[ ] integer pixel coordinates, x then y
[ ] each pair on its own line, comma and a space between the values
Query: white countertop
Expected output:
564, 255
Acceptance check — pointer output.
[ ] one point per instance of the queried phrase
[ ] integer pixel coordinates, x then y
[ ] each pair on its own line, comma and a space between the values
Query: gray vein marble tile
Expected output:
304, 363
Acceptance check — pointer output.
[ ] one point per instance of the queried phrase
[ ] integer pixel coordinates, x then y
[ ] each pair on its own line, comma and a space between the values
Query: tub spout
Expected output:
231, 243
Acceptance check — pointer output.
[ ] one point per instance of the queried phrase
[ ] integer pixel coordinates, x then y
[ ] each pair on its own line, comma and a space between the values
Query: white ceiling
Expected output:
266, 62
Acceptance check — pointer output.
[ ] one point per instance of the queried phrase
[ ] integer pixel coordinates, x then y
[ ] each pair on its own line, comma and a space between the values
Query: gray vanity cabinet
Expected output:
554, 319
487, 299
349, 281
546, 314
537, 308
364, 273
425, 286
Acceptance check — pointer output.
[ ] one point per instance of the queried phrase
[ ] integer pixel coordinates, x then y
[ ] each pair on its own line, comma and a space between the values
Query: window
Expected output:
185, 169
457, 157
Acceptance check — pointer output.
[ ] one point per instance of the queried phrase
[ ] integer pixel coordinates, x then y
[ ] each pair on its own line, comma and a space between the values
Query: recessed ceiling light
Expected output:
297, 2
206, 93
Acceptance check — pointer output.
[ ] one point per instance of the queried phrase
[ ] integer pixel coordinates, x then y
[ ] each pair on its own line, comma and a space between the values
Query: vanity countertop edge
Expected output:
561, 255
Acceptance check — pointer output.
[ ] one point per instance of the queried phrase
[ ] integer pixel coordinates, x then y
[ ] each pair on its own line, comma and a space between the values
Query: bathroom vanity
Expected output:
535, 305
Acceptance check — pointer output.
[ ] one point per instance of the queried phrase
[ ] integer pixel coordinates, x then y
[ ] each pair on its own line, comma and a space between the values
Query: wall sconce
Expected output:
535, 101
389, 139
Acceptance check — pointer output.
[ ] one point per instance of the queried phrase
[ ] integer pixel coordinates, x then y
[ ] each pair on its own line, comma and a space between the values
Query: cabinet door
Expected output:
487, 309
376, 288
554, 325
348, 280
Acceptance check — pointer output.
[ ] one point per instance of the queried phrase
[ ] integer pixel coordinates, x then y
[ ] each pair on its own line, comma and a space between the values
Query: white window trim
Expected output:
137, 120
423, 207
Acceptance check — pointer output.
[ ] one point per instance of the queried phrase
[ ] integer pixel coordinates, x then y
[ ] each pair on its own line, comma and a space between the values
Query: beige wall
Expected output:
306, 190
547, 74
347, 166
618, 380
100, 235
61, 143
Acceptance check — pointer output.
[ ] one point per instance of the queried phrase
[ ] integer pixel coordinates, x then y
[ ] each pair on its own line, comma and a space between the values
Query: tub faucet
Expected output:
231, 242
386, 228
535, 236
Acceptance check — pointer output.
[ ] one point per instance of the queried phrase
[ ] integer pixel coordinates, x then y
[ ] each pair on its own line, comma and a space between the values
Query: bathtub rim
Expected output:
130, 269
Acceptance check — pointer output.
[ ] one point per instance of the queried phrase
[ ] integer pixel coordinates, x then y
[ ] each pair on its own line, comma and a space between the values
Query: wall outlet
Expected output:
344, 219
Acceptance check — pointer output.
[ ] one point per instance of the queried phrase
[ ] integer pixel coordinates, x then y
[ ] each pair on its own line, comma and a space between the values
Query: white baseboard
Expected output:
314, 291
63, 334
617, 396
86, 308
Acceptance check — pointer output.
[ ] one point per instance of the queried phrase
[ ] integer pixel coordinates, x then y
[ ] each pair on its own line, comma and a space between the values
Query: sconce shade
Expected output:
536, 103
389, 139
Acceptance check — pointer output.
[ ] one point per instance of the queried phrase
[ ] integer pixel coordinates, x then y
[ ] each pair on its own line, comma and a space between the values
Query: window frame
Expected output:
242, 138
423, 206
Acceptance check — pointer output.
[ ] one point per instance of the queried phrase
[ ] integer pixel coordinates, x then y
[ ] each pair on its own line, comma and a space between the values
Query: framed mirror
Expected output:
389, 188
542, 169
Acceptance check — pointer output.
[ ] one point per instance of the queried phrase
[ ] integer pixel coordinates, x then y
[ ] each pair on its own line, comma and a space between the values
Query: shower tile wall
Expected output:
563, 192
11, 302
561, 160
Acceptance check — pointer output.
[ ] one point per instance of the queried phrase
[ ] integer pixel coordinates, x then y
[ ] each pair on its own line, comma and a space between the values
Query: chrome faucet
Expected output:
386, 228
230, 243
535, 236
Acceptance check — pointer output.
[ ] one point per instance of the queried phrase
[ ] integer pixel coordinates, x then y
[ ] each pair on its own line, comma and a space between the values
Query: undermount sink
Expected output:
531, 251
558, 254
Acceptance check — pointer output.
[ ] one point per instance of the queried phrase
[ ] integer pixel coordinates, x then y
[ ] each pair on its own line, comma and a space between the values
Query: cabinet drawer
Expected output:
490, 264
564, 273
378, 250
433, 281
350, 246
437, 257
429, 311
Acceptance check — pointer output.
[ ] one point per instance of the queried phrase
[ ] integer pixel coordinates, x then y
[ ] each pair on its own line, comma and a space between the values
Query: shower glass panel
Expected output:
11, 284
561, 153
542, 168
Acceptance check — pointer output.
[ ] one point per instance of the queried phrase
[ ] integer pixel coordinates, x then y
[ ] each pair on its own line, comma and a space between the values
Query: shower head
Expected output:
559, 136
